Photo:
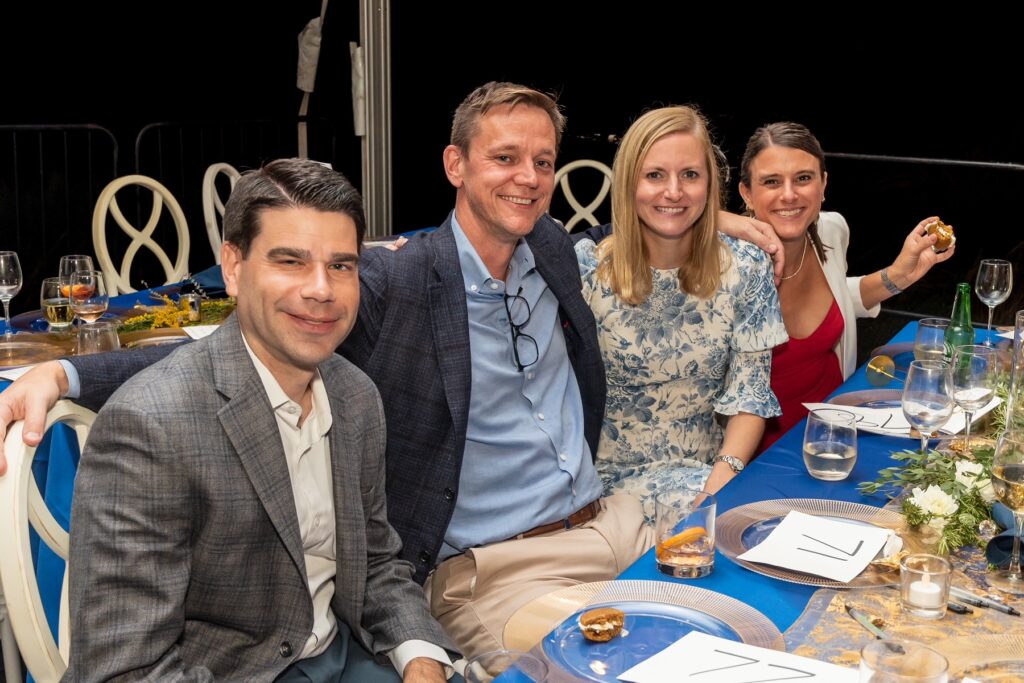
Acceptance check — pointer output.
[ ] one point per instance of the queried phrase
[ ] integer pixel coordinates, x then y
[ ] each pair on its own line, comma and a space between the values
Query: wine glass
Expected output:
88, 295
55, 304
72, 263
1008, 484
973, 380
927, 403
10, 284
993, 286
930, 342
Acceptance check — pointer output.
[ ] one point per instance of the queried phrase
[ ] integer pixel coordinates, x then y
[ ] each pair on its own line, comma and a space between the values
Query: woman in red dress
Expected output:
782, 182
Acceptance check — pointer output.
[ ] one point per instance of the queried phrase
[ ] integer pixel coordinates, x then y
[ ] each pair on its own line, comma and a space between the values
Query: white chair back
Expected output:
583, 213
213, 204
118, 280
22, 507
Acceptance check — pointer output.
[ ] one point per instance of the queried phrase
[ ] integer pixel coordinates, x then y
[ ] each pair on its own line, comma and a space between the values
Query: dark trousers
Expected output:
344, 661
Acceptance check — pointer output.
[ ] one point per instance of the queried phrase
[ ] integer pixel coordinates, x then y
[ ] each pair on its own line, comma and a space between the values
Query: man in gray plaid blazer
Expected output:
229, 519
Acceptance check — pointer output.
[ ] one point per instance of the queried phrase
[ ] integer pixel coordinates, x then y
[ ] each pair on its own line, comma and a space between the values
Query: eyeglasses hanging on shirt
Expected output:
524, 347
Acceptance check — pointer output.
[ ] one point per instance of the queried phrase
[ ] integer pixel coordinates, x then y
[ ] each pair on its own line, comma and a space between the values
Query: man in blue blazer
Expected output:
487, 361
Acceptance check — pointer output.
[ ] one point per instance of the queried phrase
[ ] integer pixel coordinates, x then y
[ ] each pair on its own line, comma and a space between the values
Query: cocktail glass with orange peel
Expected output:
685, 532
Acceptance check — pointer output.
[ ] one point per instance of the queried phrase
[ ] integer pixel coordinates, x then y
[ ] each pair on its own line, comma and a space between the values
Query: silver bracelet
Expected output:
889, 284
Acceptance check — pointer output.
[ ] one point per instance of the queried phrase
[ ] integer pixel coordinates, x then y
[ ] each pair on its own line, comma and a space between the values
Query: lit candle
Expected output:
924, 593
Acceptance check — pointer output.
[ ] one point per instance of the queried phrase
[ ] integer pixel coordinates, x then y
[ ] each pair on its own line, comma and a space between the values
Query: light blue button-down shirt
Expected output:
526, 462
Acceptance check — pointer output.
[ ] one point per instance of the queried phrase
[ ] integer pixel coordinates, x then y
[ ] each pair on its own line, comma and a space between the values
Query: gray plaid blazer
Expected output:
186, 556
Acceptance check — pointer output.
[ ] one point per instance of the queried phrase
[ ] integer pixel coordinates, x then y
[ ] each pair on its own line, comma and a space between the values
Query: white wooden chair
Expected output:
213, 205
118, 279
22, 507
583, 213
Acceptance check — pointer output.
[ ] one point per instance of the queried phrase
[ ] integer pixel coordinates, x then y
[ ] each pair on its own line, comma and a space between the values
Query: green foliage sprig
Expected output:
937, 468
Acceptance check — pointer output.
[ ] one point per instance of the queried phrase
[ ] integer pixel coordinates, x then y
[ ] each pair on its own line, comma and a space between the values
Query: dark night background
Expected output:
938, 91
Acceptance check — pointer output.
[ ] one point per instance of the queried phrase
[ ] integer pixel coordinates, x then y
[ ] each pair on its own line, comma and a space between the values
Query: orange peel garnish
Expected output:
684, 537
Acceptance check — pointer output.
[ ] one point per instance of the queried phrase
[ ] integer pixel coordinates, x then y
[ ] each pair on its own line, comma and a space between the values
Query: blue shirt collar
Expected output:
475, 275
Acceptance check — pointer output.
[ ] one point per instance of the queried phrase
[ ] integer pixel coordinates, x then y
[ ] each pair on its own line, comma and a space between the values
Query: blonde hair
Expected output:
623, 261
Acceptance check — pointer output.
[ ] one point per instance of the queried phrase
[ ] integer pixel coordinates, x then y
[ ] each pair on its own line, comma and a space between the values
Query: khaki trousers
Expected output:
472, 595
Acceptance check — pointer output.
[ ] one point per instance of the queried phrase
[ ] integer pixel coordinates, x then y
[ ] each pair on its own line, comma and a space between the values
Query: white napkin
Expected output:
702, 657
892, 422
199, 331
834, 549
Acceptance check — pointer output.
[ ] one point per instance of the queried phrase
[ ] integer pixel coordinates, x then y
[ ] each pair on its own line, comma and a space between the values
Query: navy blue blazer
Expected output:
412, 339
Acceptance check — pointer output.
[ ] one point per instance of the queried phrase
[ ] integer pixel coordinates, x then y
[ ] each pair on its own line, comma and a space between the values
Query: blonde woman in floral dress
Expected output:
686, 316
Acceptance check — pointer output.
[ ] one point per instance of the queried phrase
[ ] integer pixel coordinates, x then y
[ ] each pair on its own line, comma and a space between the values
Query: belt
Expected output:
581, 516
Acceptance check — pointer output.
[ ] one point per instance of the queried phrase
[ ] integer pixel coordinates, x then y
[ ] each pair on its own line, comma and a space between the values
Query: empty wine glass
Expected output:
88, 295
10, 284
973, 381
930, 342
993, 286
1008, 484
927, 403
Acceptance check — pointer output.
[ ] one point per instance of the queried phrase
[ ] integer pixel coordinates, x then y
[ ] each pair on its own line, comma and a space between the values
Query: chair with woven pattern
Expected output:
118, 279
583, 213
213, 204
22, 508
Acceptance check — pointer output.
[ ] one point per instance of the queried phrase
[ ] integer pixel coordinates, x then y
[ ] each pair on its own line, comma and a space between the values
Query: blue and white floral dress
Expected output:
675, 361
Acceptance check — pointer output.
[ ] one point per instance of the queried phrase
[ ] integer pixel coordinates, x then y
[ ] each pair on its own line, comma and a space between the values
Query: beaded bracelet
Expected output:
889, 284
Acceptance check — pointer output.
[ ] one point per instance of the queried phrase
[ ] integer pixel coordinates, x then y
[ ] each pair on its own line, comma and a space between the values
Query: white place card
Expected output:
14, 373
1006, 335
701, 658
892, 422
831, 548
200, 331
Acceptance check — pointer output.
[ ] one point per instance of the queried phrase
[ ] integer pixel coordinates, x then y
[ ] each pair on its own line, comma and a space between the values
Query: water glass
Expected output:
99, 337
513, 666
830, 443
55, 304
901, 661
684, 532
930, 342
972, 381
927, 399
993, 286
10, 285
924, 585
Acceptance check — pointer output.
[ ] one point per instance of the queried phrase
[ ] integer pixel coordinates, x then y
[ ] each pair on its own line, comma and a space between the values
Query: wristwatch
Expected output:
732, 461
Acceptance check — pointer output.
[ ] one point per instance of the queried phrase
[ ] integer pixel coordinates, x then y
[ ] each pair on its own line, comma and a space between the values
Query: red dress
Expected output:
804, 371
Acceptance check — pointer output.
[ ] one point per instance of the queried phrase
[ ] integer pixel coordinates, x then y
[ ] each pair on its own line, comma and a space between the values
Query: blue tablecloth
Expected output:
780, 473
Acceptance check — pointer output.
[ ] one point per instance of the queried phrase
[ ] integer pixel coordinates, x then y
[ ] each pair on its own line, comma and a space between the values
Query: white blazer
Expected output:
835, 233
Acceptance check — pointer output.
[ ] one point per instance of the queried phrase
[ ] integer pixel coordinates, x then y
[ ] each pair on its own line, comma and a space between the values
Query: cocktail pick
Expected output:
881, 370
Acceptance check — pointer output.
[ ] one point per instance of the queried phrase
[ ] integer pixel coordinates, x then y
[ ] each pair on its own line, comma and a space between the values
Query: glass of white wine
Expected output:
10, 285
993, 286
930, 342
830, 443
972, 380
56, 305
88, 295
1008, 484
927, 403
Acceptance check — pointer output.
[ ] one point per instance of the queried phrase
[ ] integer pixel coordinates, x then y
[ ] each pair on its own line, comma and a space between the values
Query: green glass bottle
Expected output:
960, 331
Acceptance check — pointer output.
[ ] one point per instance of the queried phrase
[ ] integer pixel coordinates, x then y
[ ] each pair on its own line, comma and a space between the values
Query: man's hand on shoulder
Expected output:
30, 398
424, 670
